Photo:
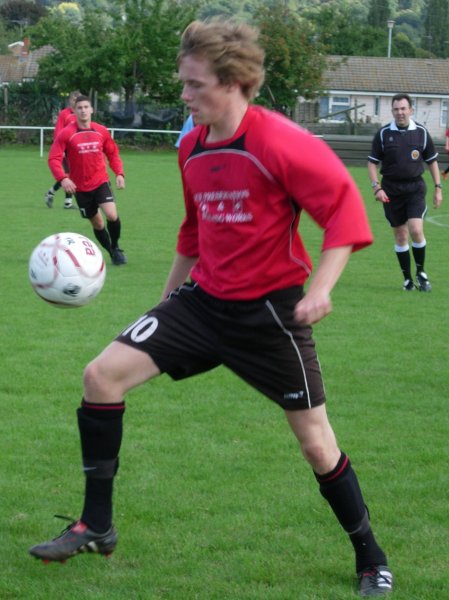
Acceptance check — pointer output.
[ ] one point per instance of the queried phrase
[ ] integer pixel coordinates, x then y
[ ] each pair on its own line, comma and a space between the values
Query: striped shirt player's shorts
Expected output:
192, 332
88, 202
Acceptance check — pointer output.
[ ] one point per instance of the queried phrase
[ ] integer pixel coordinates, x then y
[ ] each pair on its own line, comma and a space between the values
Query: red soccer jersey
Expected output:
83, 150
244, 198
65, 116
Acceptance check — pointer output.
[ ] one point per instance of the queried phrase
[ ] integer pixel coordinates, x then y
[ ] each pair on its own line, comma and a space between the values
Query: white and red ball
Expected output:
67, 270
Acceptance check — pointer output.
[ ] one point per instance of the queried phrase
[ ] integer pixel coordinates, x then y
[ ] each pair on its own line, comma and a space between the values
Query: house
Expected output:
362, 87
21, 64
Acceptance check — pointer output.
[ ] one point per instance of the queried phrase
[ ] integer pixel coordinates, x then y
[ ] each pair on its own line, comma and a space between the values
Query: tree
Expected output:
4, 38
131, 46
70, 10
29, 102
403, 47
410, 24
342, 36
229, 8
71, 65
294, 62
379, 13
18, 14
146, 42
436, 28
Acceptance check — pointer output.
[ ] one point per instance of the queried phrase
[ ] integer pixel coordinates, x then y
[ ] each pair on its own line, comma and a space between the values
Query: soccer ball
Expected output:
67, 270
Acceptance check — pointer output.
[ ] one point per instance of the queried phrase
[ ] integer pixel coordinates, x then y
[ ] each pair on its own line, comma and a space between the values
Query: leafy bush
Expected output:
29, 103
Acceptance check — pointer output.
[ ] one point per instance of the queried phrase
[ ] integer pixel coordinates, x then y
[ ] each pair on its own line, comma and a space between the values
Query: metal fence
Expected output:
352, 149
113, 131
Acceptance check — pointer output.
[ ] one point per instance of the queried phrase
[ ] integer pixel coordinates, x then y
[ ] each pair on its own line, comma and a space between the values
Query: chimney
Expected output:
25, 48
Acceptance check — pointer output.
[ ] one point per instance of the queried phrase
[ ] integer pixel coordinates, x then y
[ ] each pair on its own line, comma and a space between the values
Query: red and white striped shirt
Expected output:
65, 116
84, 150
244, 198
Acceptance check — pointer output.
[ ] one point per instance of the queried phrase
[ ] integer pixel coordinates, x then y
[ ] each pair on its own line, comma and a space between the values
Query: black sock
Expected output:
101, 428
367, 550
114, 228
419, 254
56, 186
341, 489
103, 238
97, 510
404, 262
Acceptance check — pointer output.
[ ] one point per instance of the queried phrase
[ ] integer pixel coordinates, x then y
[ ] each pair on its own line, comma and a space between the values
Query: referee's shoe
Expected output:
409, 285
423, 282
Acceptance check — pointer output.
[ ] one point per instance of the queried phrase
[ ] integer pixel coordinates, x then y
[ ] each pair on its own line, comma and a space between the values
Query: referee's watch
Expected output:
438, 185
374, 184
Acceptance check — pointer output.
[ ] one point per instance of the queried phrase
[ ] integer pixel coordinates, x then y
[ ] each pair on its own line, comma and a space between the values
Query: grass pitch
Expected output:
213, 501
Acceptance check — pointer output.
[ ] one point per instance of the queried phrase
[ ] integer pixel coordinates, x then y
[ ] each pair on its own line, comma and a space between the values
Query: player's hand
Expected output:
120, 182
68, 185
313, 307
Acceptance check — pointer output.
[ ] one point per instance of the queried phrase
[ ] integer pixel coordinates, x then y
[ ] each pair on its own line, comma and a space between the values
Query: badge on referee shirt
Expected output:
415, 154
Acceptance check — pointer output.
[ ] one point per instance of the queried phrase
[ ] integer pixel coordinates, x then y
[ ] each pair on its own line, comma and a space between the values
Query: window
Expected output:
324, 106
338, 103
376, 108
334, 104
415, 108
443, 113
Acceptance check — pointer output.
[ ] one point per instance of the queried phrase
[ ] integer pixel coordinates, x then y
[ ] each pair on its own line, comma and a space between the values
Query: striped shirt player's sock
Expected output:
103, 238
340, 487
101, 430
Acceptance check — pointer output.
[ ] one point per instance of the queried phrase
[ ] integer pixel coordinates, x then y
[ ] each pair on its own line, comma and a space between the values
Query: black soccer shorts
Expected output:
407, 201
88, 202
192, 332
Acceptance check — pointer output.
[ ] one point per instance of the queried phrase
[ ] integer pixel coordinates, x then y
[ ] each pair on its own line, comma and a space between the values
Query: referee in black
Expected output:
402, 148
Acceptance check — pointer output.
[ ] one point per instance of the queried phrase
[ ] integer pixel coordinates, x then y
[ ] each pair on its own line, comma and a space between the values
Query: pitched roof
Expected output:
428, 76
15, 69
32, 64
10, 69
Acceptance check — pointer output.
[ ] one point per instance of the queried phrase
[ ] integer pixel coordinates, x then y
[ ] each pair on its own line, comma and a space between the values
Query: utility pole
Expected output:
390, 25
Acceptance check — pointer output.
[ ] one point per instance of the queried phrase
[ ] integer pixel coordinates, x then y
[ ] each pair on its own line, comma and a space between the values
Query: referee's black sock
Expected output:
103, 238
101, 430
403, 254
419, 254
341, 489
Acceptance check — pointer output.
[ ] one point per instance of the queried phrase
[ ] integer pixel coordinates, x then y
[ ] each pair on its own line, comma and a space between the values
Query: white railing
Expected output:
111, 129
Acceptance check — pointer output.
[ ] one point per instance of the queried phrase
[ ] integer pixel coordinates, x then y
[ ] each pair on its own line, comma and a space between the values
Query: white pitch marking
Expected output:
435, 220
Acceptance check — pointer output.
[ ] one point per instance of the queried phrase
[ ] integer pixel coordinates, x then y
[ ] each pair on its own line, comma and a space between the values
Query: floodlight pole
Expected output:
390, 25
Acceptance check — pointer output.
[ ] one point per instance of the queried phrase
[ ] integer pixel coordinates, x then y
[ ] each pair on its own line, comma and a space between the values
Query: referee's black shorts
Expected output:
192, 332
407, 200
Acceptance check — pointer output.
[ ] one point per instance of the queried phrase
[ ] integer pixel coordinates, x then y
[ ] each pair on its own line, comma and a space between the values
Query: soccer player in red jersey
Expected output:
65, 116
234, 295
85, 143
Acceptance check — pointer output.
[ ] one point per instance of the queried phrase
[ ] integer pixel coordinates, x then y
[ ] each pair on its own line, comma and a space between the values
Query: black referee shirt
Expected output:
402, 152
